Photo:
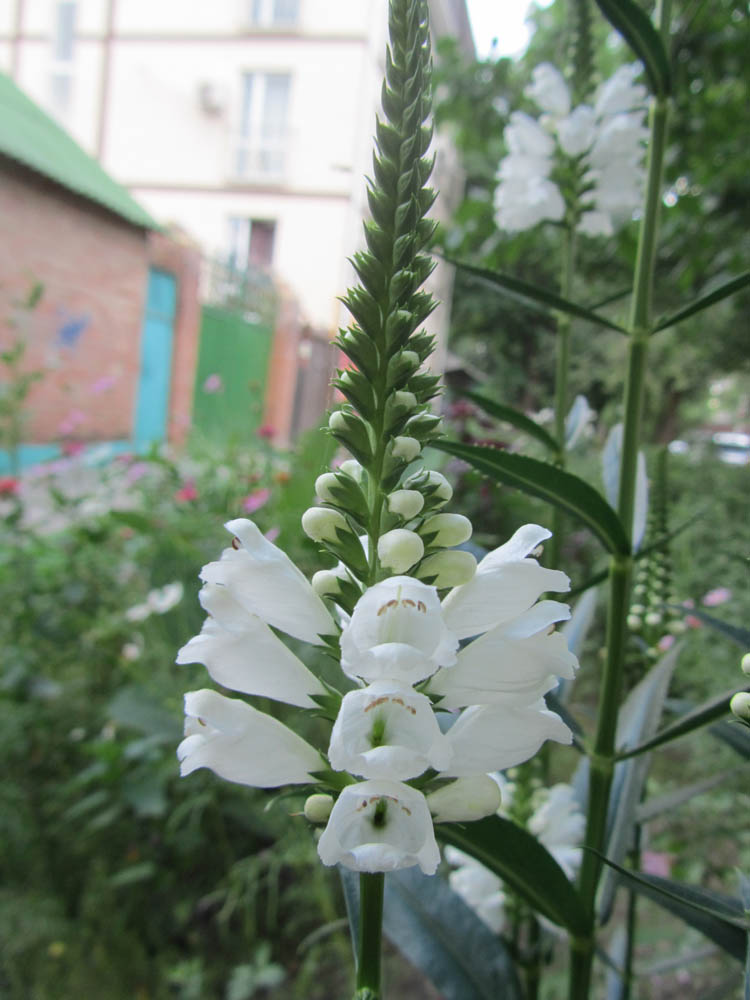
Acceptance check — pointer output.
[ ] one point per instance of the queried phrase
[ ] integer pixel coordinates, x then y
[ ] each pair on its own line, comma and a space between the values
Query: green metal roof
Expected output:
30, 136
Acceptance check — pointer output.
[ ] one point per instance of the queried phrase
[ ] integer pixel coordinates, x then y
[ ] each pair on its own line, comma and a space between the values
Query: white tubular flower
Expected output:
387, 731
448, 569
322, 524
405, 503
324, 484
479, 888
405, 447
241, 652
264, 581
506, 584
399, 549
465, 800
494, 737
380, 826
549, 91
524, 136
577, 132
397, 632
243, 745
560, 825
620, 93
165, 598
514, 663
449, 529
433, 483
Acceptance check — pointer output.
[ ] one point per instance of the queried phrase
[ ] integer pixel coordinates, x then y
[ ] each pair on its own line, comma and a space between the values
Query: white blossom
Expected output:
379, 826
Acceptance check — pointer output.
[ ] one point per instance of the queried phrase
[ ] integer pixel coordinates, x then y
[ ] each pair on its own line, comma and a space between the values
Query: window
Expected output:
251, 243
63, 39
274, 13
262, 141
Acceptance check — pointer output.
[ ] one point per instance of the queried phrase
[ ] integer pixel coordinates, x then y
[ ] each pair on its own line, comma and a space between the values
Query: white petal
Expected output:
252, 660
387, 731
524, 136
549, 90
265, 581
360, 838
507, 666
465, 799
518, 546
577, 132
494, 737
241, 744
397, 631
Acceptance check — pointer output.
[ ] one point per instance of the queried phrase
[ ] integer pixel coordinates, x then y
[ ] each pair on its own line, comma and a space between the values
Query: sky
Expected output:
501, 19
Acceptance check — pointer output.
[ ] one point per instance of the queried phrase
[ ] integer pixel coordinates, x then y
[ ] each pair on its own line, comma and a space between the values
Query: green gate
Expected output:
231, 376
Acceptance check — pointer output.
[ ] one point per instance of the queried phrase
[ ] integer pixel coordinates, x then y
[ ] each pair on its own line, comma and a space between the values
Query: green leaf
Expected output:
672, 800
139, 872
531, 295
745, 894
440, 935
711, 710
722, 292
524, 864
543, 480
720, 917
639, 717
735, 735
508, 415
636, 28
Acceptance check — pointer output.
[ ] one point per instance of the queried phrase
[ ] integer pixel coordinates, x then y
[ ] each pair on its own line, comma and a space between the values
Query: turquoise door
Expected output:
152, 404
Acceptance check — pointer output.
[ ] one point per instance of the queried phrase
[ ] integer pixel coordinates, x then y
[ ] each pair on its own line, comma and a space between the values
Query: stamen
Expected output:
236, 543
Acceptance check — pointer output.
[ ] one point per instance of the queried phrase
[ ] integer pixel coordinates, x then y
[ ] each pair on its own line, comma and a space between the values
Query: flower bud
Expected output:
324, 485
434, 485
450, 568
449, 529
352, 468
399, 549
326, 583
406, 447
653, 618
745, 664
740, 705
465, 800
403, 400
405, 503
318, 808
321, 524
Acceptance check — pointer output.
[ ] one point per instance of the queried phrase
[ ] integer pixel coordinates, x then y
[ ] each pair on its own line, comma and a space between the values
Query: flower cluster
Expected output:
557, 822
582, 164
417, 722
400, 647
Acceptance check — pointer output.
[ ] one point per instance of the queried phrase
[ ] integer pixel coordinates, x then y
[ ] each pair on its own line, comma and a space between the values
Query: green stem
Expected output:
562, 366
371, 888
602, 758
635, 861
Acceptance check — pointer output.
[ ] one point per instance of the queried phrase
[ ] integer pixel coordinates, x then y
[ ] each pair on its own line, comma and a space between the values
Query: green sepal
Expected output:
348, 549
401, 368
366, 311
358, 390
402, 286
354, 436
403, 248
333, 780
379, 243
370, 271
348, 496
398, 327
381, 207
424, 385
424, 426
396, 416
329, 702
423, 343
360, 349
388, 140
349, 593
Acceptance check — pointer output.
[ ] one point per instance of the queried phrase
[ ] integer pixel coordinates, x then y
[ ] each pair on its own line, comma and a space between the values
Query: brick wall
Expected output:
85, 332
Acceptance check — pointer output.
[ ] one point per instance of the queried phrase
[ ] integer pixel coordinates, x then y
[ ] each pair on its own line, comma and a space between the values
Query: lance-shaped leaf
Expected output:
745, 894
508, 415
636, 28
704, 714
537, 298
735, 735
672, 800
527, 867
734, 632
639, 717
443, 937
540, 479
611, 462
709, 299
720, 917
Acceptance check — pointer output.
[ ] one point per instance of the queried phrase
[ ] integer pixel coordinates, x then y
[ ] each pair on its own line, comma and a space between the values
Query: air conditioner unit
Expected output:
211, 98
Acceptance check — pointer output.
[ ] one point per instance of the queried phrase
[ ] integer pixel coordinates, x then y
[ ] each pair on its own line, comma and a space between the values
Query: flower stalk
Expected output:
621, 567
371, 890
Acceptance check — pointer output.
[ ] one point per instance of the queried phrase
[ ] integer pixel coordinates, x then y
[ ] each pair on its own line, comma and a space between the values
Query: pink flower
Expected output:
719, 595
213, 383
136, 471
73, 420
255, 500
666, 642
71, 448
272, 534
103, 384
657, 863
8, 486
186, 492
266, 432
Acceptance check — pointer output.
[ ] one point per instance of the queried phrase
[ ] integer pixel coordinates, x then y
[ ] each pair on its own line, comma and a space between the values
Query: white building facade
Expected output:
247, 123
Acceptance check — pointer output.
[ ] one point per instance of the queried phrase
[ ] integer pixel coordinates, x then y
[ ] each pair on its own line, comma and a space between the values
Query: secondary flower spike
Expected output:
409, 701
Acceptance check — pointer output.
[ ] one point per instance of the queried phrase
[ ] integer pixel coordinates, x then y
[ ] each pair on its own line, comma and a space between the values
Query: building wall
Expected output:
84, 334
